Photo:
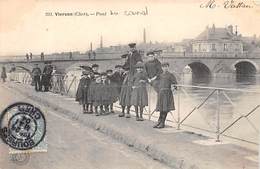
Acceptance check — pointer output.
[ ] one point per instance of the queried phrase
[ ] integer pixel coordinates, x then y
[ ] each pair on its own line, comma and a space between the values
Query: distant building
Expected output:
217, 40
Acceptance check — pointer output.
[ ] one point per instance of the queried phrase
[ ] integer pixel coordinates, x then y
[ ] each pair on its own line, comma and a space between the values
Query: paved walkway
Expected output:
177, 149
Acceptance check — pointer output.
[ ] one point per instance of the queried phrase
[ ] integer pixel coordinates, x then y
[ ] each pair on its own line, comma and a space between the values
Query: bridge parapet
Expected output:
110, 55
212, 54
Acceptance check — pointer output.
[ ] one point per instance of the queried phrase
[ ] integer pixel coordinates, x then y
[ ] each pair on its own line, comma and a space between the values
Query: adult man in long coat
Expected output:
132, 58
36, 72
46, 77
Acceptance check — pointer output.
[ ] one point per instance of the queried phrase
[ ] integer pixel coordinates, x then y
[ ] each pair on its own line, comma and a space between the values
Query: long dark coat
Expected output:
83, 90
139, 95
112, 89
132, 59
118, 78
165, 101
154, 68
95, 93
126, 90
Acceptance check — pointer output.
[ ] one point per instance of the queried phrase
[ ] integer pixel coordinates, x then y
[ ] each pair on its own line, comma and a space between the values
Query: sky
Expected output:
24, 26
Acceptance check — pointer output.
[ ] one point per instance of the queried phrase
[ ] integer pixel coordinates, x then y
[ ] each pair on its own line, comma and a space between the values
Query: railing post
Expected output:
179, 109
149, 104
218, 115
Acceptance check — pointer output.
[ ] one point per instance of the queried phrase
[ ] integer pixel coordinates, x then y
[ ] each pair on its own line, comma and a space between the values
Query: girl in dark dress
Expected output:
125, 95
165, 101
104, 94
112, 89
82, 91
96, 94
139, 97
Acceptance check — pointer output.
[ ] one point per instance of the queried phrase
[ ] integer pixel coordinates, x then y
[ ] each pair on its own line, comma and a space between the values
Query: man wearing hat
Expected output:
36, 73
46, 77
82, 91
132, 58
153, 69
165, 101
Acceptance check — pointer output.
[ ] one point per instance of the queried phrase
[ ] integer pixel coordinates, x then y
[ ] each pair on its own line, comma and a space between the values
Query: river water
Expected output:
230, 106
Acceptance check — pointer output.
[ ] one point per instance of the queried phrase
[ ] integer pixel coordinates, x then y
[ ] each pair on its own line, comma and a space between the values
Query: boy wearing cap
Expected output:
82, 91
165, 101
139, 96
93, 74
153, 69
112, 87
104, 93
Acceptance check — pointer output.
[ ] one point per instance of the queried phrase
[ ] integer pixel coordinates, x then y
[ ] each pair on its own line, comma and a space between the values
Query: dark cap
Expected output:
118, 66
84, 72
95, 65
109, 71
103, 74
132, 45
124, 55
165, 64
150, 53
139, 65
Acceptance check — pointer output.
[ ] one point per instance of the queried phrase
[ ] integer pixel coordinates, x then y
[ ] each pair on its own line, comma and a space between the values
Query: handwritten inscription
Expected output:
228, 4
142, 12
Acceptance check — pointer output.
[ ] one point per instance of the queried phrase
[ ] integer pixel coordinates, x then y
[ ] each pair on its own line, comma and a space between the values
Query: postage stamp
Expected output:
22, 126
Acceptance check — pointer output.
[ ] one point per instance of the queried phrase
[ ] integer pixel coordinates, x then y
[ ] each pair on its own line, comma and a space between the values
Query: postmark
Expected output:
22, 126
20, 158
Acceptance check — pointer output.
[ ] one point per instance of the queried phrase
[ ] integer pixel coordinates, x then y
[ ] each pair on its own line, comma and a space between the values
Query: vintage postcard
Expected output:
134, 84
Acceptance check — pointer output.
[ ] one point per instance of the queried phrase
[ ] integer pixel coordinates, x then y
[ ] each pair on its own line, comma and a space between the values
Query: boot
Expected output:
141, 114
159, 121
128, 112
102, 111
136, 112
162, 124
106, 109
111, 108
96, 111
91, 108
122, 114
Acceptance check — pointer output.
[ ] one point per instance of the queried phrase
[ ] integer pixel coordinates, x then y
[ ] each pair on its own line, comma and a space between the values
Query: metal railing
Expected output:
218, 98
215, 91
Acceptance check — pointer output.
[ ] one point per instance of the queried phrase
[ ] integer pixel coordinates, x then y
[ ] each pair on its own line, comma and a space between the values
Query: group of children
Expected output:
98, 91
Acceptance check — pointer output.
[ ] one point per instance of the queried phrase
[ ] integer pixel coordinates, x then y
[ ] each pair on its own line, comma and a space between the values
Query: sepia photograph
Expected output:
134, 84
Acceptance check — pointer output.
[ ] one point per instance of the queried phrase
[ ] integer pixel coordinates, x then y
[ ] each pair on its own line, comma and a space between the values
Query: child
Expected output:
112, 87
82, 91
93, 74
139, 97
95, 94
105, 98
125, 95
165, 102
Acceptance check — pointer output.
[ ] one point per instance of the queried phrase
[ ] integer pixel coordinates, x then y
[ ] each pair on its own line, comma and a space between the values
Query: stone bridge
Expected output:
200, 64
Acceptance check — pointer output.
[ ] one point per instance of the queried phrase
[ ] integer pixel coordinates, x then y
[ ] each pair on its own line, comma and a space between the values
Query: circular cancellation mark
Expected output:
22, 126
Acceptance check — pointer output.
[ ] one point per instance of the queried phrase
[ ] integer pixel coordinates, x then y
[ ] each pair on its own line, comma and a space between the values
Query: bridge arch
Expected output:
199, 70
245, 66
